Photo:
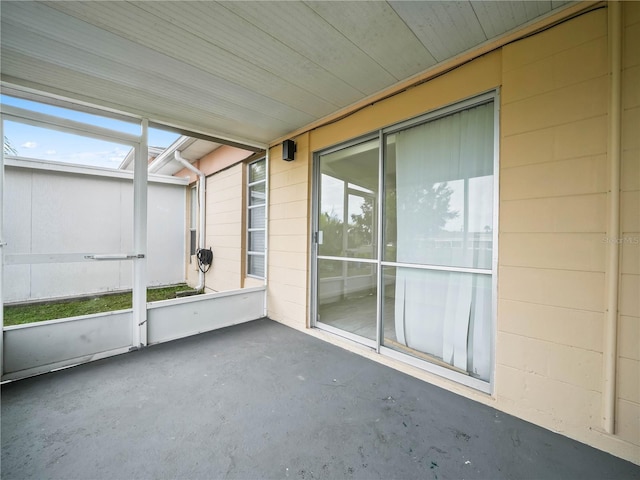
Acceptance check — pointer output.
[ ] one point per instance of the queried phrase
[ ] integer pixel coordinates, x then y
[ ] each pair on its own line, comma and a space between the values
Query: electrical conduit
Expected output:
614, 11
202, 182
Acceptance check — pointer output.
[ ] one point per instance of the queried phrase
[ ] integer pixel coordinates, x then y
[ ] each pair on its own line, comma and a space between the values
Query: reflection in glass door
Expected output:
346, 244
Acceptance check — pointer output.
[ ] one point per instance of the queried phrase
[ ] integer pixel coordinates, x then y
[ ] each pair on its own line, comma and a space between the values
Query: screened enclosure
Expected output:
93, 217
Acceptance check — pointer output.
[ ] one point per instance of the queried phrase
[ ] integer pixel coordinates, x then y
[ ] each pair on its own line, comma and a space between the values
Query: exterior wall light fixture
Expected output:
288, 150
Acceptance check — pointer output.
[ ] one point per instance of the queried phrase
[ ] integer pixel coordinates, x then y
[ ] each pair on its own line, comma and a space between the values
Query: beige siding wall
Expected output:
628, 405
553, 220
288, 263
225, 168
226, 220
224, 232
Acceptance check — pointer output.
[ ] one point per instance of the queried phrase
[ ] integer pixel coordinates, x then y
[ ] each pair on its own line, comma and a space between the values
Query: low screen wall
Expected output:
41, 347
44, 346
172, 319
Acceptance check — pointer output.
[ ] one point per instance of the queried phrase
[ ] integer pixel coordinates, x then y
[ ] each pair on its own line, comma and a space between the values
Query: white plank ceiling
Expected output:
250, 71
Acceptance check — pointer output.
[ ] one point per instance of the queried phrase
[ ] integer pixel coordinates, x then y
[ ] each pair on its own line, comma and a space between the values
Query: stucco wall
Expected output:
219, 159
553, 220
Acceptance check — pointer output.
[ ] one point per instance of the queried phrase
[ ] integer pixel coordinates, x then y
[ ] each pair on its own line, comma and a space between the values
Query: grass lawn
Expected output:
21, 314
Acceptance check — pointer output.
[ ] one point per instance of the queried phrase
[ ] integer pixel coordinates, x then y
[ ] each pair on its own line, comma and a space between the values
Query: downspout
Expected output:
202, 182
614, 10
266, 233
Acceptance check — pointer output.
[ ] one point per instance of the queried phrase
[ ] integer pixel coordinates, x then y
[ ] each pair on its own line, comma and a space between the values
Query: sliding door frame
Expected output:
451, 374
315, 229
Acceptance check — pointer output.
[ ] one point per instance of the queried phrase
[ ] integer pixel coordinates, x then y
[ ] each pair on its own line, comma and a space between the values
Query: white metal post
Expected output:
140, 240
266, 231
1, 250
380, 201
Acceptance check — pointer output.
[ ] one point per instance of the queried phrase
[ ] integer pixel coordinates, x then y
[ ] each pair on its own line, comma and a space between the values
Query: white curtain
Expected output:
444, 191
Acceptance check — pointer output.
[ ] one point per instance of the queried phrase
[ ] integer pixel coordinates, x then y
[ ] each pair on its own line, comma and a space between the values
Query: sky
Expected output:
52, 145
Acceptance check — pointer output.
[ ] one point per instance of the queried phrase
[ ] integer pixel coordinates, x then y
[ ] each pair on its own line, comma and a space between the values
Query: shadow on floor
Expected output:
261, 400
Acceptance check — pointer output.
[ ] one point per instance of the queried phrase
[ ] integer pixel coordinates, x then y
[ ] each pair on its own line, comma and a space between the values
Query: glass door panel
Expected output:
347, 295
347, 236
439, 191
439, 316
438, 255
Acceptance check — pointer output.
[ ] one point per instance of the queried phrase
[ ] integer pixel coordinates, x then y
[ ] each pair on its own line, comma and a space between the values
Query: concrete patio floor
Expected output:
261, 400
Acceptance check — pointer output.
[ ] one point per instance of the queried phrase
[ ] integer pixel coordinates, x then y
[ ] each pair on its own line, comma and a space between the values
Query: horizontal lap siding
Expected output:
289, 190
553, 218
224, 228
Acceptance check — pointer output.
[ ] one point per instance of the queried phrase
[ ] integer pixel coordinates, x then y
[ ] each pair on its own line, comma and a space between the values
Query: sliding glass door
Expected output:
428, 297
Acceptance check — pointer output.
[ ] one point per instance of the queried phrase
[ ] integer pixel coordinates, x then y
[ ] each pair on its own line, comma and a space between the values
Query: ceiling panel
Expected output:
208, 36
226, 31
561, 3
164, 109
198, 149
299, 27
497, 18
387, 39
136, 73
444, 28
108, 50
251, 71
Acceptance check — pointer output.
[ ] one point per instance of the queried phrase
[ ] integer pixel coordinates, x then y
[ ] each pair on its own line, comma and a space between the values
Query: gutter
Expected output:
610, 347
202, 181
166, 155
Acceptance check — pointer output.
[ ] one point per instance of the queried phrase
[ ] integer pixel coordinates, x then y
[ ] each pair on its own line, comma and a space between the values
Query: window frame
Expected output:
250, 229
193, 221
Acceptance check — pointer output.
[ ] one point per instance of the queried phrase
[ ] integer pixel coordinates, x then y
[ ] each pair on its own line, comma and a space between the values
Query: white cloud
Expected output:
29, 145
117, 155
50, 152
100, 158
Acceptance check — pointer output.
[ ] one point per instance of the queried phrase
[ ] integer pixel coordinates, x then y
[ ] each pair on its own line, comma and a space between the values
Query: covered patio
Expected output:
261, 400
515, 302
